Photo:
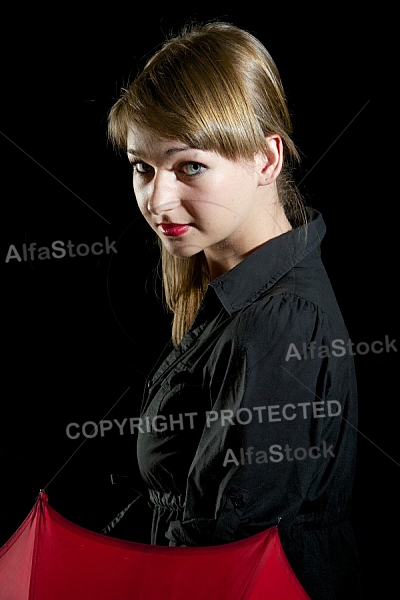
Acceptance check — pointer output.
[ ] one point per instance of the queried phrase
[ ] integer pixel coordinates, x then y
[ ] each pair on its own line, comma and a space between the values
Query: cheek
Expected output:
145, 213
229, 189
142, 206
140, 200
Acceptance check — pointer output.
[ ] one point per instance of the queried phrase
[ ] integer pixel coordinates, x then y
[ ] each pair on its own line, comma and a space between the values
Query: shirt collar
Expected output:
265, 266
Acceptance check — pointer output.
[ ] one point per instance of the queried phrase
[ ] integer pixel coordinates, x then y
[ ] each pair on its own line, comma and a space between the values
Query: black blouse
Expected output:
251, 421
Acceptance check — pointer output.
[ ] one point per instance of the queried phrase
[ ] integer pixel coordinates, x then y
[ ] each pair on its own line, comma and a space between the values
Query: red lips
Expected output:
173, 229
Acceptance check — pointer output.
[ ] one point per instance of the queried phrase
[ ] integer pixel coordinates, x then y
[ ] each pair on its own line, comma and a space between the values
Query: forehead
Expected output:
142, 142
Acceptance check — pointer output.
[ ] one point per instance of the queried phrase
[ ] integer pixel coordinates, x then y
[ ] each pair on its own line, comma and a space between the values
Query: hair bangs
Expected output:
202, 103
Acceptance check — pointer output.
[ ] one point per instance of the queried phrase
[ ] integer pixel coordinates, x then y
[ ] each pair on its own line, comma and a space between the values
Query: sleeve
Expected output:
278, 391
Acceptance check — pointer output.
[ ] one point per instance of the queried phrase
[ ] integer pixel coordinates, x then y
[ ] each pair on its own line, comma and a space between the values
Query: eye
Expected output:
193, 168
141, 167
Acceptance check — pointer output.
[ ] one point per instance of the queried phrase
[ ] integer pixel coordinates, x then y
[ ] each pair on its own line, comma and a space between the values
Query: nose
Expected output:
163, 194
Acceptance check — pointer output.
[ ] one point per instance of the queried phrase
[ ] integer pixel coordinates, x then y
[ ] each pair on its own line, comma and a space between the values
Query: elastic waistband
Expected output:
166, 500
317, 520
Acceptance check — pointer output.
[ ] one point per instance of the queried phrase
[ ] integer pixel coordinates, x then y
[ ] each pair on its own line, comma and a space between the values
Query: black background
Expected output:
80, 333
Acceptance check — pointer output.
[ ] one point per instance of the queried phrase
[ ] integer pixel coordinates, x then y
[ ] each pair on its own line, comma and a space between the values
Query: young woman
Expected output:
249, 420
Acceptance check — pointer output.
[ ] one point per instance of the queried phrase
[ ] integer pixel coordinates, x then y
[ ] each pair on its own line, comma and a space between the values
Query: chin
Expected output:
182, 251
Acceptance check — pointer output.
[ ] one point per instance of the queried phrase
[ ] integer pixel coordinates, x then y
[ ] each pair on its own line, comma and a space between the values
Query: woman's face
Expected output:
198, 200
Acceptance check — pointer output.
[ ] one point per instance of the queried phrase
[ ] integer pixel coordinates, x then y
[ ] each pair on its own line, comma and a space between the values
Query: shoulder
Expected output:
273, 313
276, 324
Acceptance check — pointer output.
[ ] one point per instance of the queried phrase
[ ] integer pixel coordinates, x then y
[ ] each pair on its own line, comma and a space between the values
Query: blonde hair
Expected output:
214, 87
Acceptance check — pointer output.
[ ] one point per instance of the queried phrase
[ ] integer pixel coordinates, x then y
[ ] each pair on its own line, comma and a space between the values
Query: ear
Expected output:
270, 164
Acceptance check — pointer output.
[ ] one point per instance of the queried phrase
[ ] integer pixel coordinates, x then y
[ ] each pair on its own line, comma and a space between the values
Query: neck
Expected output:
230, 253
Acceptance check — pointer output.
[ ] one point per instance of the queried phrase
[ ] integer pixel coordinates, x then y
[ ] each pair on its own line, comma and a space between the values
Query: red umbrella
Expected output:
51, 558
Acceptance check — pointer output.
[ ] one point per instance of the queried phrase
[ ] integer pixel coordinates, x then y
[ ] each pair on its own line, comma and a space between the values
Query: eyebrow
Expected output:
168, 152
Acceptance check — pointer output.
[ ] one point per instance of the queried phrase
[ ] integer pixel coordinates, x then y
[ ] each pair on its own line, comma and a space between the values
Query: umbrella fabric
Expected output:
51, 558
